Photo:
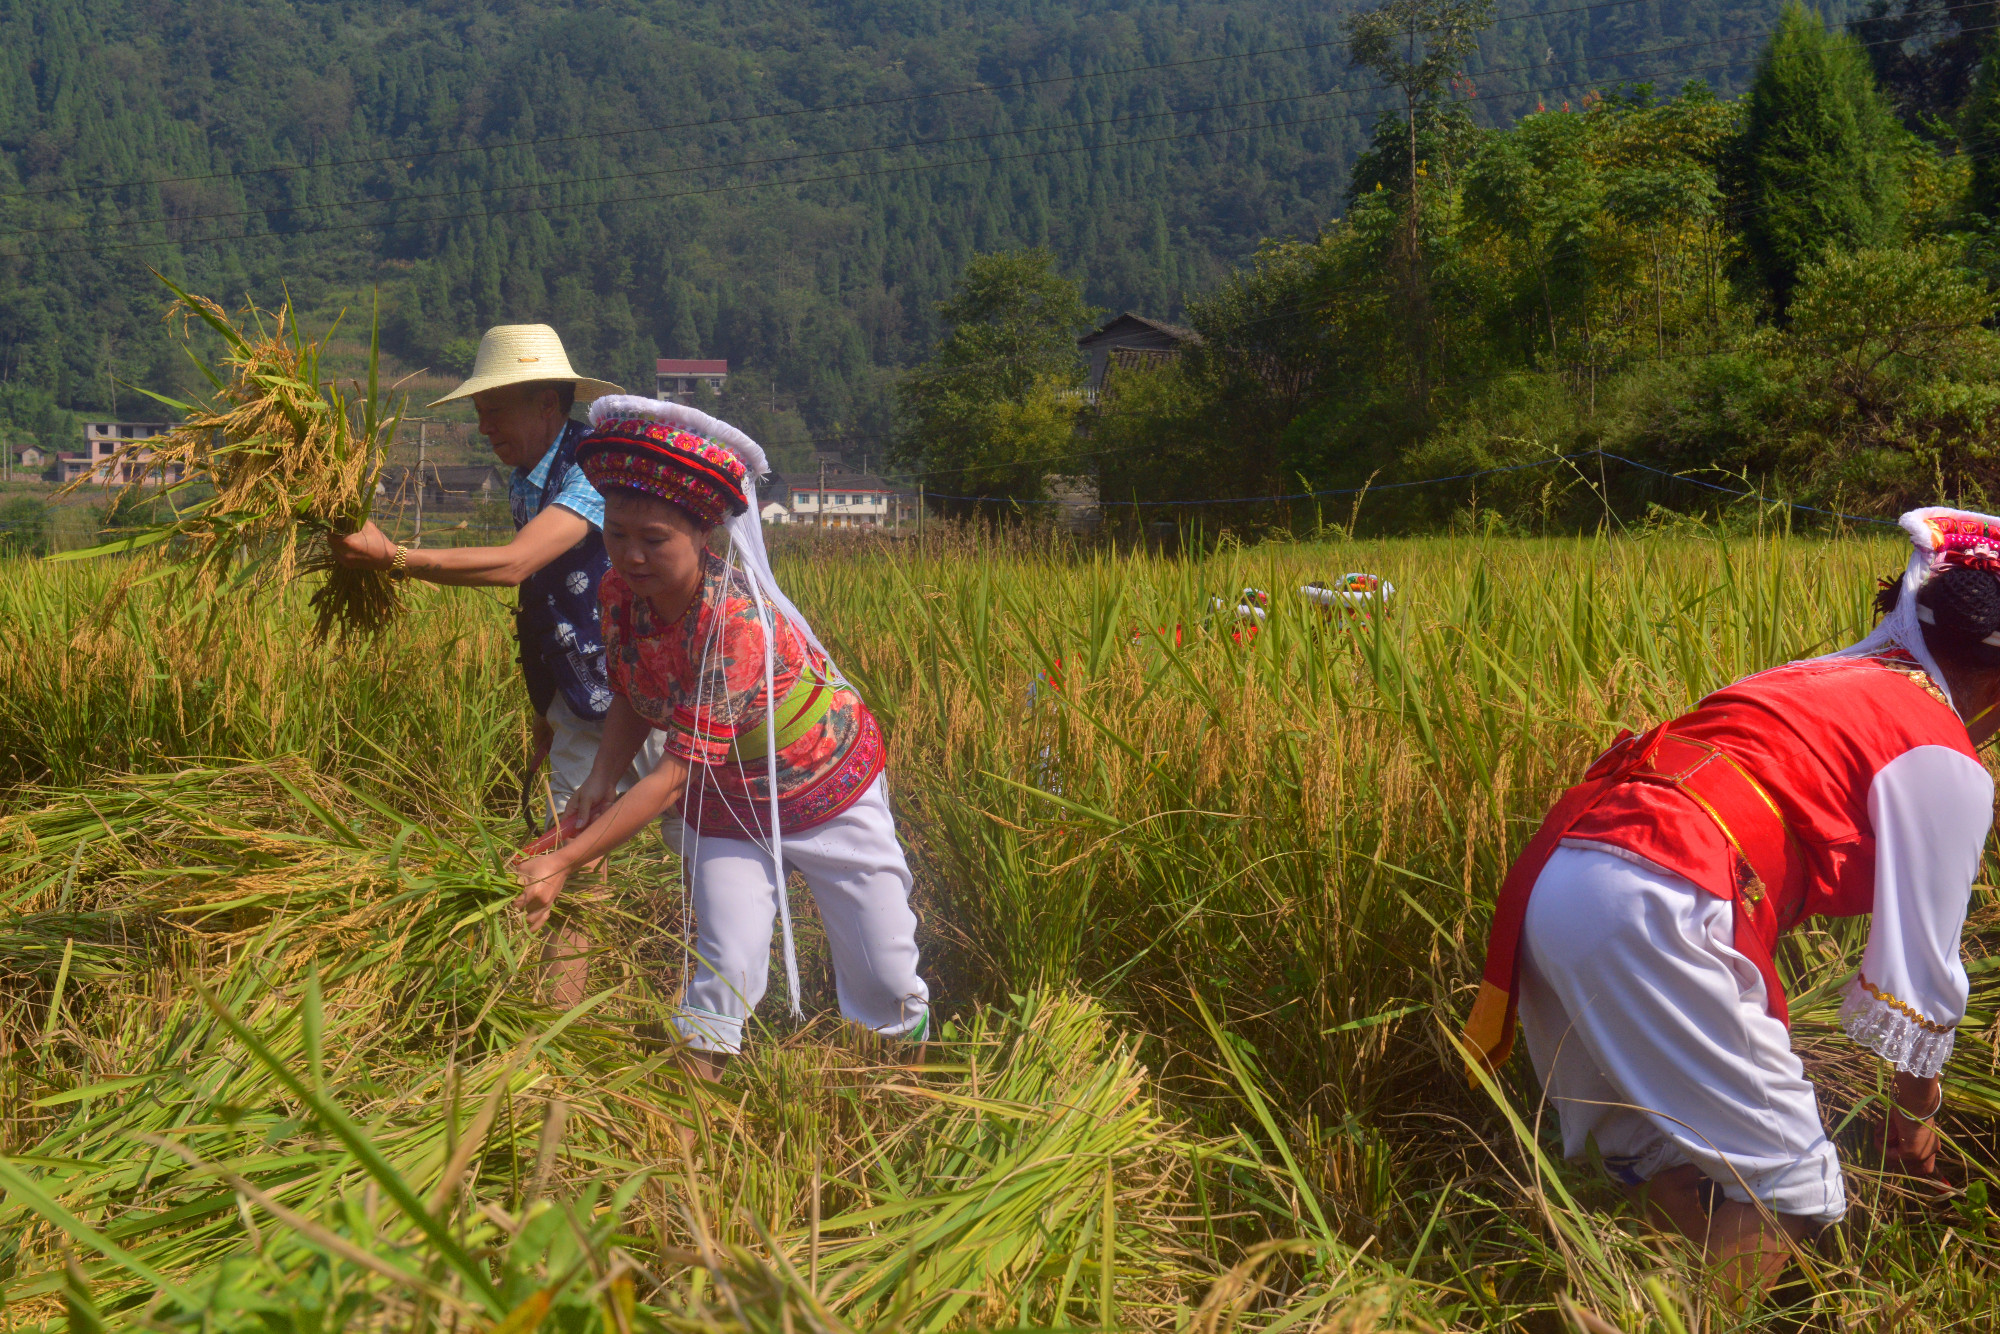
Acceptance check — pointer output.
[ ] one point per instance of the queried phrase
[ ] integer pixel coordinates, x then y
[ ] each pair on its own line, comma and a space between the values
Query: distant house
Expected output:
1131, 340
678, 379
445, 486
32, 457
773, 512
113, 456
850, 500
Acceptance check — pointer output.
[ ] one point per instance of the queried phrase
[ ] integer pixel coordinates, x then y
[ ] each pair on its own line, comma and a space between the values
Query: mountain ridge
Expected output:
1147, 185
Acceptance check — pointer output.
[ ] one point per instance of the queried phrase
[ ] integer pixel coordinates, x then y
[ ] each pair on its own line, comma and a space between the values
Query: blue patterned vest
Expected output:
562, 642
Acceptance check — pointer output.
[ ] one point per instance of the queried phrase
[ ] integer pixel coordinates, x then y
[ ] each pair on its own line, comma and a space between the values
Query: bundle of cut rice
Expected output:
292, 455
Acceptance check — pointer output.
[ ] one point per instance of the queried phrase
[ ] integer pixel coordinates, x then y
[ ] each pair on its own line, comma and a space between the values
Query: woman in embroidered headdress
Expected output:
697, 646
1635, 935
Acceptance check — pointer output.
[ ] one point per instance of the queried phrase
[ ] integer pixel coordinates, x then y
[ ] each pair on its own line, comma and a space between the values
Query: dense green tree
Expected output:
992, 412
642, 174
1821, 156
1418, 47
1979, 138
484, 164
1872, 325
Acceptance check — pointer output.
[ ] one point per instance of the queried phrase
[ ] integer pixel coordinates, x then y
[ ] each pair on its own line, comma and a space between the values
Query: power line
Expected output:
824, 109
738, 186
1086, 456
1433, 481
840, 176
1318, 305
1130, 117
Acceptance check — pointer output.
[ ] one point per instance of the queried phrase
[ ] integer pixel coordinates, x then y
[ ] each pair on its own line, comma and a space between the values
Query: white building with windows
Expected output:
849, 500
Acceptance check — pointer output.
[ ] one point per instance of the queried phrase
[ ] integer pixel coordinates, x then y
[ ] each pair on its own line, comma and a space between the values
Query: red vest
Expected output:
1759, 796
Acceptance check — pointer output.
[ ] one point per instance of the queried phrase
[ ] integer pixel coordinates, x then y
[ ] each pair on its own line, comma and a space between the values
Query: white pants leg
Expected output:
861, 883
1650, 1035
573, 750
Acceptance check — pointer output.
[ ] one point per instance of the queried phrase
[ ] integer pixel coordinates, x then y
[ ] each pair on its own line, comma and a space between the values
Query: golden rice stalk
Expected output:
292, 454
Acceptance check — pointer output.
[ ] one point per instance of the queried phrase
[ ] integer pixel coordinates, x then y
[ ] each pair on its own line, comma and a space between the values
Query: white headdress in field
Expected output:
747, 553
1941, 537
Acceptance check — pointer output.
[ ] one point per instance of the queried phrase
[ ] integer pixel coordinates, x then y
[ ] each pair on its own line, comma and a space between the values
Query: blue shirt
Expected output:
577, 494
558, 620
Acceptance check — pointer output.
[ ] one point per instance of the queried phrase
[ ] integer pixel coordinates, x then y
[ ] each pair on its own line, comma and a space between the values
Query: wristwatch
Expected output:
399, 564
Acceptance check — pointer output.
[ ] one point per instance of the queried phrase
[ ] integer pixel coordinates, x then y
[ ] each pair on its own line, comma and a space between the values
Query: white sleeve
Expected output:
1930, 808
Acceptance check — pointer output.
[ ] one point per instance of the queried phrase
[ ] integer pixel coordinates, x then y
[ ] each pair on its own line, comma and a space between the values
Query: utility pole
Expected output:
417, 539
819, 501
920, 511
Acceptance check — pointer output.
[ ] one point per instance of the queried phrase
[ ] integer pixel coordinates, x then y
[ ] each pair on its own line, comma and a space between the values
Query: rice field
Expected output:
1201, 910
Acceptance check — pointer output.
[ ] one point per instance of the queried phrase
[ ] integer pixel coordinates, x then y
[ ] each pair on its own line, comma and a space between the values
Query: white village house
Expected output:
849, 500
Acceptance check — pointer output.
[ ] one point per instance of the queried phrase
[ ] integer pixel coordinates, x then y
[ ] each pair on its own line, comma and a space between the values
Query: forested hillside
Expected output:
1625, 308
620, 169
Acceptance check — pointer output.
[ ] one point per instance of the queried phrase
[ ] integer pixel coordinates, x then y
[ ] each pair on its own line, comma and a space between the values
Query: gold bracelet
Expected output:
399, 564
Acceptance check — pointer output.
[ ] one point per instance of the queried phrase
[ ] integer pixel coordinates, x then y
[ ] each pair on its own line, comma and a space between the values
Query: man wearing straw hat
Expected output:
523, 388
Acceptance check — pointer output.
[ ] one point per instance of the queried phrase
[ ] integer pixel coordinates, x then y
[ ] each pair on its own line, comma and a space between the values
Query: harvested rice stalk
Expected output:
292, 454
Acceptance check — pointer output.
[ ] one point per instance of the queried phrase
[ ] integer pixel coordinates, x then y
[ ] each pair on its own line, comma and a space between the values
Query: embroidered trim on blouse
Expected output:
1908, 1011
1895, 1031
1902, 662
727, 815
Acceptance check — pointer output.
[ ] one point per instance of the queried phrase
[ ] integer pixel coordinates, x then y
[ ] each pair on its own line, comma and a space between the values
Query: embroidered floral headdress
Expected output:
1942, 539
643, 453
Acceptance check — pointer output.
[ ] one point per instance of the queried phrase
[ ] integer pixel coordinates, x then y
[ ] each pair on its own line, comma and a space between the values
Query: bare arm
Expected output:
644, 802
542, 878
546, 536
624, 733
1908, 1134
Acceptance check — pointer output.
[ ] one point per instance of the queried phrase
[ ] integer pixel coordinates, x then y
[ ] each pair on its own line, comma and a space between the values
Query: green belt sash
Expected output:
804, 706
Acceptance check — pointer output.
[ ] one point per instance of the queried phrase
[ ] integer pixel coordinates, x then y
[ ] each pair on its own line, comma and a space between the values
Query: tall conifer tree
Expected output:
1819, 163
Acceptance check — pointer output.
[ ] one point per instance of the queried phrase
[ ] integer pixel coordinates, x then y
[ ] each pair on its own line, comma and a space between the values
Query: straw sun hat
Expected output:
523, 354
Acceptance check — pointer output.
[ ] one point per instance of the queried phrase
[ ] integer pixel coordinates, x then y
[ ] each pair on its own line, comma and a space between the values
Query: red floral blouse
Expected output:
700, 679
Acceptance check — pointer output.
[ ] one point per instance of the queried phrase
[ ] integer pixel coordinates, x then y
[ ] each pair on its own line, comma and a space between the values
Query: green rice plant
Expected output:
1309, 824
97, 675
1202, 910
331, 1095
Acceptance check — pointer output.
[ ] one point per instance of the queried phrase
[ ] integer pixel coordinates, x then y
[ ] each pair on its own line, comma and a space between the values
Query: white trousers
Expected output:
861, 884
1650, 1036
573, 750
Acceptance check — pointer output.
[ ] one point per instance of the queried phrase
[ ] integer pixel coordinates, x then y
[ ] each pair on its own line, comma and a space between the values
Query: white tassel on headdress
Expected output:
746, 539
1903, 627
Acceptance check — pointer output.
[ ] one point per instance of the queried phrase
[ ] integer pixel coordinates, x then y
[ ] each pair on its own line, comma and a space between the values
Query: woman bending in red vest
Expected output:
1635, 935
